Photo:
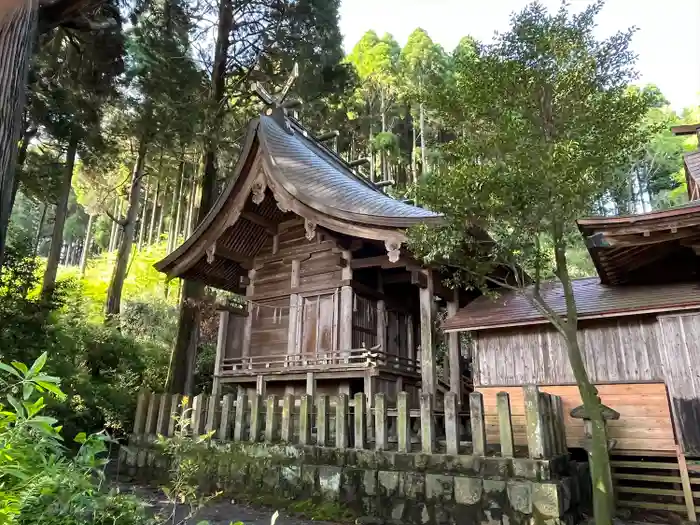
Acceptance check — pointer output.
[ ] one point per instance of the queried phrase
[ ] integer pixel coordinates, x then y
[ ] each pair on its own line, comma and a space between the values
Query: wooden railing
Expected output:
344, 359
338, 422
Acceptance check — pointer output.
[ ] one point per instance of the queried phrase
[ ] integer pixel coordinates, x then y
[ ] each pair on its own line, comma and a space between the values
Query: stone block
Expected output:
412, 485
468, 465
525, 468
271, 478
425, 517
439, 488
397, 510
492, 517
366, 459
329, 481
495, 467
492, 486
351, 484
388, 483
369, 482
551, 499
308, 477
520, 496
421, 462
468, 490
403, 461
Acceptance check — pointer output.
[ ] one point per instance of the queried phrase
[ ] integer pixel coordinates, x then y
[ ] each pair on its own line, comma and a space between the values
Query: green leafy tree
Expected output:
422, 65
547, 120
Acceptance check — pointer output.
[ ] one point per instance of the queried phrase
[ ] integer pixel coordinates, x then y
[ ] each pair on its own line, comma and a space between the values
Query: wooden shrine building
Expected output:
334, 300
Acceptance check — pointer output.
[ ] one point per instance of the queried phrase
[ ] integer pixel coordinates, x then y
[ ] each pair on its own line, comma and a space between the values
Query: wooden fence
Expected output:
342, 423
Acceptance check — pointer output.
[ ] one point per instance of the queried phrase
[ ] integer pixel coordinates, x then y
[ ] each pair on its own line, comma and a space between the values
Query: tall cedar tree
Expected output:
547, 119
165, 81
71, 82
263, 33
21, 21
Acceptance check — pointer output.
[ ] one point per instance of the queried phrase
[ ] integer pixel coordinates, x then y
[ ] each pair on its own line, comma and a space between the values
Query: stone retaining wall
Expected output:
406, 488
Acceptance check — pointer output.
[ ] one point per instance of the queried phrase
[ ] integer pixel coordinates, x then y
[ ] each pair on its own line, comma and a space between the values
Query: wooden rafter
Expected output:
270, 226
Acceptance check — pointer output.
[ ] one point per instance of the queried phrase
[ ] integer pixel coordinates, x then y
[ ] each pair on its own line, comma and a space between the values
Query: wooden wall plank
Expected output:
644, 424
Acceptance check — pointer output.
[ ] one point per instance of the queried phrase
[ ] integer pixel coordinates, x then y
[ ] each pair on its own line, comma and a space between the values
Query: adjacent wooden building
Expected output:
334, 301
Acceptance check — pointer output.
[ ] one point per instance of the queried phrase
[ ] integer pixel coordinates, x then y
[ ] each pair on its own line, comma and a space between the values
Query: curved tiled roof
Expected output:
322, 181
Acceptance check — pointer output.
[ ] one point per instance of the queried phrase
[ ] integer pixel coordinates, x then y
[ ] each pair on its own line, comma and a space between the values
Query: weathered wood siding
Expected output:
315, 315
680, 357
364, 322
644, 424
626, 350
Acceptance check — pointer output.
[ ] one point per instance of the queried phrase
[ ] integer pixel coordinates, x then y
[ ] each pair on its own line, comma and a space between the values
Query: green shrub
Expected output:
39, 483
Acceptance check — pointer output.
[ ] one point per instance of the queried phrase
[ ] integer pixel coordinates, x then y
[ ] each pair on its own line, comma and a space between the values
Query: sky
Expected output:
667, 40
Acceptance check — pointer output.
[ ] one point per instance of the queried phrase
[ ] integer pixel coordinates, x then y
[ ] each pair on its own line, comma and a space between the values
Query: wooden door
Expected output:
318, 325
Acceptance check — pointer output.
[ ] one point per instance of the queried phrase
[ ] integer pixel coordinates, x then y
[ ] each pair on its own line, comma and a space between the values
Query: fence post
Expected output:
381, 438
163, 413
322, 420
476, 412
141, 409
239, 422
559, 425
287, 415
271, 419
152, 414
305, 406
224, 433
452, 423
341, 421
427, 424
211, 423
533, 422
198, 404
403, 423
255, 406
505, 424
175, 411
360, 421
549, 423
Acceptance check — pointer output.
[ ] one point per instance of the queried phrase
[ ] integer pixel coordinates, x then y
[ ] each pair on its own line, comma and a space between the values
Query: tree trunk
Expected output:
184, 353
114, 293
40, 229
178, 196
161, 216
191, 212
423, 161
18, 20
601, 475
414, 166
115, 226
86, 245
21, 157
144, 212
59, 221
154, 211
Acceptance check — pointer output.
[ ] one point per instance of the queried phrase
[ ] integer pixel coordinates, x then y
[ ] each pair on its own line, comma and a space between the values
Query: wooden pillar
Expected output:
410, 338
255, 405
220, 352
427, 357
311, 384
505, 424
341, 421
248, 326
306, 404
322, 421
271, 419
287, 418
403, 421
260, 386
381, 441
454, 352
241, 407
476, 413
381, 315
451, 423
294, 311
346, 299
224, 432
427, 424
360, 421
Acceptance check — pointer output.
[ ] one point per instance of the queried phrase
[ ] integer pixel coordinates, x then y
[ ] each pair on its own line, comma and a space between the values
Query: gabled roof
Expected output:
691, 162
650, 248
593, 300
284, 172
321, 179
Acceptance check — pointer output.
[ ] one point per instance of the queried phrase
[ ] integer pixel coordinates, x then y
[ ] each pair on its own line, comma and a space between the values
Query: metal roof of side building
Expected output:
593, 300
